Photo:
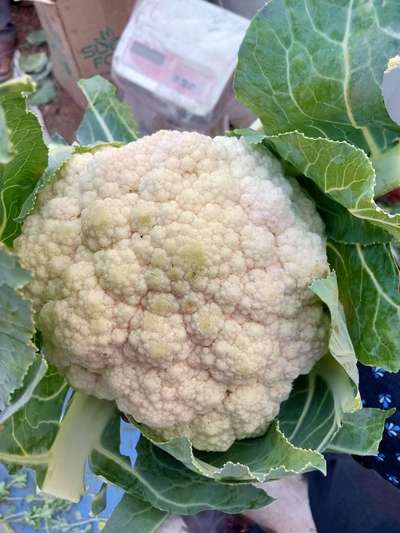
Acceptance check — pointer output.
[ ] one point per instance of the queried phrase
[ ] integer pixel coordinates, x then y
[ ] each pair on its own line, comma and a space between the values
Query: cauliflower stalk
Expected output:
172, 275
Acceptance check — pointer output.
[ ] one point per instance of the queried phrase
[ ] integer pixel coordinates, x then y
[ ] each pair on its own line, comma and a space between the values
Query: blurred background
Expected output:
174, 59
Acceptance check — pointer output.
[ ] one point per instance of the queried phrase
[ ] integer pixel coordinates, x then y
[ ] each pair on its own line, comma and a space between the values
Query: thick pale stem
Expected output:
387, 169
79, 434
374, 149
257, 125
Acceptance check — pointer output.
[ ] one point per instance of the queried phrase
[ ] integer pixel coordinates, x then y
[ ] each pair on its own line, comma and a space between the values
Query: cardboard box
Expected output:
176, 71
82, 35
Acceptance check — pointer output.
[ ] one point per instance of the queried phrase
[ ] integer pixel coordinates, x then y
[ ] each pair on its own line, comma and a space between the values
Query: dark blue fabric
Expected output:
7, 29
381, 389
363, 496
352, 499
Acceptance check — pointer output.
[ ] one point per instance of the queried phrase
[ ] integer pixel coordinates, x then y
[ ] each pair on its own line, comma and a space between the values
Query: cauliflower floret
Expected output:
172, 275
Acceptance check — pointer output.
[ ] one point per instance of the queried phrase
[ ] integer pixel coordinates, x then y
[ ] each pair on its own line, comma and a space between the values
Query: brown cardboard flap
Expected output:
82, 35
93, 31
64, 67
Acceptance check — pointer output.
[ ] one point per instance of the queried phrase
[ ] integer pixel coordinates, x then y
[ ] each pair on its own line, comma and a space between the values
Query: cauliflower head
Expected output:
172, 276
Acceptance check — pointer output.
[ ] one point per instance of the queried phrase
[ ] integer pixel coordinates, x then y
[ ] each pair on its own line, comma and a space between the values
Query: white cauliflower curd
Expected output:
172, 276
